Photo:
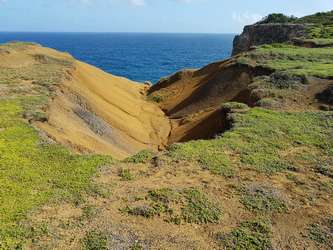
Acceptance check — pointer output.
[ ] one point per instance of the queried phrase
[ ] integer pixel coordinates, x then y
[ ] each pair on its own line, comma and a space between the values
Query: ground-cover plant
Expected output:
250, 235
95, 240
321, 24
322, 233
32, 172
125, 175
294, 60
188, 205
141, 157
262, 199
259, 139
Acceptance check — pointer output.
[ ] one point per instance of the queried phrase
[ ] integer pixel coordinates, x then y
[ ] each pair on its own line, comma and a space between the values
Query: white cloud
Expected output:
246, 18
137, 2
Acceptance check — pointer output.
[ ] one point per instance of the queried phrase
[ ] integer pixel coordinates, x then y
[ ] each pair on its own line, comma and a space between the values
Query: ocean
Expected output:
137, 56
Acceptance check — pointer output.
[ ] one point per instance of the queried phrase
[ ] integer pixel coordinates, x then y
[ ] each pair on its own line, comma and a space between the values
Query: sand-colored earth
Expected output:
89, 110
98, 112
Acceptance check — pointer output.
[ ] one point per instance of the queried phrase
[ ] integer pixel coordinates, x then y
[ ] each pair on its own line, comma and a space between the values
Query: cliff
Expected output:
309, 31
259, 34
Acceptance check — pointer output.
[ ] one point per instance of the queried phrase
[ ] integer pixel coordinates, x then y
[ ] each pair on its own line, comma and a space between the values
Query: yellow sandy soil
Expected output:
92, 111
135, 124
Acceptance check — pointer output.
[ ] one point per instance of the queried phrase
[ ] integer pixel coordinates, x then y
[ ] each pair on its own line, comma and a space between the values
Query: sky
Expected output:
175, 16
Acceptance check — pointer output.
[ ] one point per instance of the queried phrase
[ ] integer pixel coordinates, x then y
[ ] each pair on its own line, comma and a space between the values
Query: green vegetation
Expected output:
43, 74
136, 246
293, 60
325, 167
322, 233
189, 205
156, 98
250, 235
262, 199
33, 172
321, 25
260, 138
230, 106
199, 209
125, 175
318, 18
274, 91
277, 18
89, 212
143, 156
95, 240
320, 42
206, 153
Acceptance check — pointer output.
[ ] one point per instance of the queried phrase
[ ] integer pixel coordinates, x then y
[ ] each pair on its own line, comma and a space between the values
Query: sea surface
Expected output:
137, 56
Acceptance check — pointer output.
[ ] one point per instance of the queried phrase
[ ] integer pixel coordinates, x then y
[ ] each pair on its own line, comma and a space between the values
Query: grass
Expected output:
294, 60
259, 139
250, 235
95, 240
189, 205
262, 199
32, 172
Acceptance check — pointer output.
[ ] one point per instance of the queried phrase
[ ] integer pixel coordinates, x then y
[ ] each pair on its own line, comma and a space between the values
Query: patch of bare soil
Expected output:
67, 224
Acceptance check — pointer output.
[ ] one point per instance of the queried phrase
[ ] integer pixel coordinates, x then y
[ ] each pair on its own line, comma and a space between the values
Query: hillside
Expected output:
236, 155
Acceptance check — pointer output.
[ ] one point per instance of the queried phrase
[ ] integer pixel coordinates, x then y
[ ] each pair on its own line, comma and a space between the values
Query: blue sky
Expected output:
195, 16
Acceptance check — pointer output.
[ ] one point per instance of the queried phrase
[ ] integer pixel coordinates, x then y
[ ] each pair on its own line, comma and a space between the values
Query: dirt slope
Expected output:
192, 98
105, 114
89, 110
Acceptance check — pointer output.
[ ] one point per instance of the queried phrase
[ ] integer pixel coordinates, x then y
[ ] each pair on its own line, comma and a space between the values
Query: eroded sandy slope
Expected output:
95, 111
88, 109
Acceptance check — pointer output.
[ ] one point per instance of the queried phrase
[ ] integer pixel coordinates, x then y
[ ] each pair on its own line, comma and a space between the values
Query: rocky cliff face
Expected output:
259, 34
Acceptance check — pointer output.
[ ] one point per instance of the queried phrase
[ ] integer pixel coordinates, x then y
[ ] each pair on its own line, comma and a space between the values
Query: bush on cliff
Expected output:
277, 18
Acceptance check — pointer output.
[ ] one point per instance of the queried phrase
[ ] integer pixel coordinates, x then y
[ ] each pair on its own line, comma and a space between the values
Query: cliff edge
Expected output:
309, 31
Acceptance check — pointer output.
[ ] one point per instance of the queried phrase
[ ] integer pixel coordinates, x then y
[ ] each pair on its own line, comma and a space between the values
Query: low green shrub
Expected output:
143, 156
250, 235
95, 240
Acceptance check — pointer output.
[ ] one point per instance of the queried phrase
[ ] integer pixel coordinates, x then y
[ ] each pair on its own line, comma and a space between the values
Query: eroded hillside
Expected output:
259, 175
84, 108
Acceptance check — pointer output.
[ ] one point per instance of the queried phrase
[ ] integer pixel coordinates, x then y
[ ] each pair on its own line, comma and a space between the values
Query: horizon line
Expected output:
123, 32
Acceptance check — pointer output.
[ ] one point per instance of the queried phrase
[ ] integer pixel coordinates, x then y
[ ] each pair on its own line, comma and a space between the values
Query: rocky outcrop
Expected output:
259, 34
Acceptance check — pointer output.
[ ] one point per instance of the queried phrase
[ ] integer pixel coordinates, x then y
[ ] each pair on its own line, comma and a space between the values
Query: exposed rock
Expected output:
326, 96
258, 34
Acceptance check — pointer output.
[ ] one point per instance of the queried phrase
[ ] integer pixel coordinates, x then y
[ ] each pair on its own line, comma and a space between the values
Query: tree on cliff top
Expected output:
277, 18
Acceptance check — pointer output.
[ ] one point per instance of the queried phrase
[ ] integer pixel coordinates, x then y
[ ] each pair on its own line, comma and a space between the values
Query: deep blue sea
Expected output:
137, 56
